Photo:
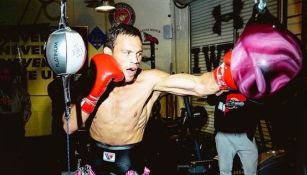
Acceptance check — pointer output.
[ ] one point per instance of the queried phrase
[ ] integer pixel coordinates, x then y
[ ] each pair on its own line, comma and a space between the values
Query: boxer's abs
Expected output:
116, 132
121, 119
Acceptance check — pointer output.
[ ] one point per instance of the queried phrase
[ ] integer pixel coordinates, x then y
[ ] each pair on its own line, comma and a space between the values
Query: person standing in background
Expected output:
15, 112
235, 121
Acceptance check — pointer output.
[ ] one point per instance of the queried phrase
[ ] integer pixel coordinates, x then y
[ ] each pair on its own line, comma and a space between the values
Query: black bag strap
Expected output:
79, 117
82, 137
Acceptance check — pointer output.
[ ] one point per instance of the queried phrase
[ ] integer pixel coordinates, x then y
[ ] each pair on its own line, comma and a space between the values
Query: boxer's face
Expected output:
128, 53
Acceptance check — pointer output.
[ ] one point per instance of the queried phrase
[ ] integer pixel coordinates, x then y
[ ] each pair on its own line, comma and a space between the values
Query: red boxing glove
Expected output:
222, 74
107, 71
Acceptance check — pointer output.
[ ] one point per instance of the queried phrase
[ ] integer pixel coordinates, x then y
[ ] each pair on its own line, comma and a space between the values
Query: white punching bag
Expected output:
65, 51
65, 48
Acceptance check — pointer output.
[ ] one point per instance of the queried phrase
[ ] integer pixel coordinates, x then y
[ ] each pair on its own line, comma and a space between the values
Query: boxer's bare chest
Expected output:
129, 102
124, 114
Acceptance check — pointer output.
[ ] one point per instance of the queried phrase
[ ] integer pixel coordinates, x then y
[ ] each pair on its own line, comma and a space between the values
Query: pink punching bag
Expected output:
264, 60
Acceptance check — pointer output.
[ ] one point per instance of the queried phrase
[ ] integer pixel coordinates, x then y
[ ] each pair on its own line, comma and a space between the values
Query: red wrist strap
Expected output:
222, 74
88, 104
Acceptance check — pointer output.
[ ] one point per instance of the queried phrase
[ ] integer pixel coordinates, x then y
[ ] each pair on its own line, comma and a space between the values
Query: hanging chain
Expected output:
63, 19
66, 86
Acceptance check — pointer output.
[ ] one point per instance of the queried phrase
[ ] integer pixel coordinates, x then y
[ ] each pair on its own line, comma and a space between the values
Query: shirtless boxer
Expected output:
119, 123
120, 120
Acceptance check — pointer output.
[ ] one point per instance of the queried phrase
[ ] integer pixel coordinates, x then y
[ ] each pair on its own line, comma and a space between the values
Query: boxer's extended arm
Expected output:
186, 84
205, 84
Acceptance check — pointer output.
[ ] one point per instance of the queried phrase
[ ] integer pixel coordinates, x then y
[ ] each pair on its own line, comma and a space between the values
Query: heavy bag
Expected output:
65, 51
264, 60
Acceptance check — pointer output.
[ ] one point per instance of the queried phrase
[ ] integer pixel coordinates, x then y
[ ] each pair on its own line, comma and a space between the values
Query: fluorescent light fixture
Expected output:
105, 6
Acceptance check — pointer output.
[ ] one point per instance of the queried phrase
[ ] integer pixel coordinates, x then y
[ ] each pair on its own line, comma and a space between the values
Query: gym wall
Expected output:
150, 17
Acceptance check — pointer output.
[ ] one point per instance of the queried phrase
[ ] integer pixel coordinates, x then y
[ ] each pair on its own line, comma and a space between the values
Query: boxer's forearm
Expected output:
208, 84
73, 121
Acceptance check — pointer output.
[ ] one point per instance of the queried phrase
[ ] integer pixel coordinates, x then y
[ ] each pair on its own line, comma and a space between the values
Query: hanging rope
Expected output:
66, 86
63, 19
65, 79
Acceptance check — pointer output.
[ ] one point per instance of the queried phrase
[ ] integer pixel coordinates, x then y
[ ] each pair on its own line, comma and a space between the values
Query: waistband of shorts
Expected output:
115, 147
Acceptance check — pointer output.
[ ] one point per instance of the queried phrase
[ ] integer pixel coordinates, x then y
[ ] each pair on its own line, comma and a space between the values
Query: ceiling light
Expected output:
105, 6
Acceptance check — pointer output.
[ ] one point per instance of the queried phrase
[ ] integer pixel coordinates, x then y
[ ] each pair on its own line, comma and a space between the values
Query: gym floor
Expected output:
168, 152
38, 157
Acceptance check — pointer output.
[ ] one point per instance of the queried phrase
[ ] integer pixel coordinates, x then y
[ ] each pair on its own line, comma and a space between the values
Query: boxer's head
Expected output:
121, 29
124, 43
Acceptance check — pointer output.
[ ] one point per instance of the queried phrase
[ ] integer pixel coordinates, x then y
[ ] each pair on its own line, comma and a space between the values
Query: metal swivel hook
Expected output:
261, 5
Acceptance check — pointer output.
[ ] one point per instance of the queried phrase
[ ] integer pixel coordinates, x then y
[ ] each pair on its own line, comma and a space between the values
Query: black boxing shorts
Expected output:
116, 160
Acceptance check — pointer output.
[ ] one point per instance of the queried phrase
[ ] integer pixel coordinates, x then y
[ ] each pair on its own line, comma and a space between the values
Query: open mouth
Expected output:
131, 71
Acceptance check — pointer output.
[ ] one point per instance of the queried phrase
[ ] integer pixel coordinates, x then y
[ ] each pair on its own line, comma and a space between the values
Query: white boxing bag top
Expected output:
65, 51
